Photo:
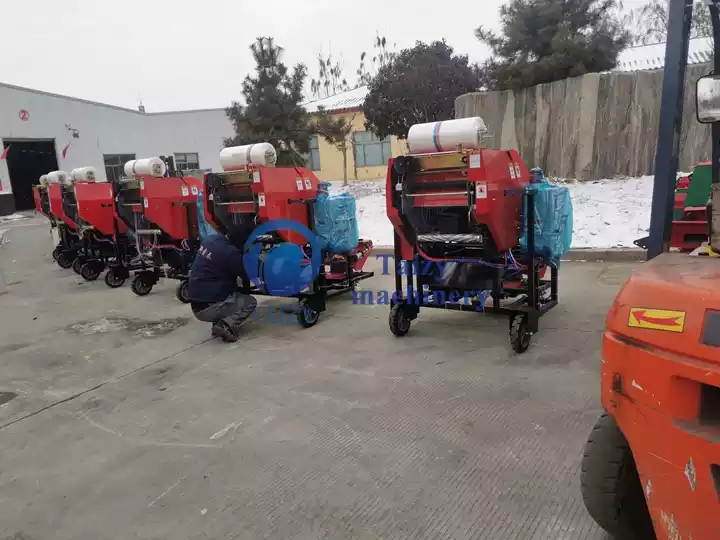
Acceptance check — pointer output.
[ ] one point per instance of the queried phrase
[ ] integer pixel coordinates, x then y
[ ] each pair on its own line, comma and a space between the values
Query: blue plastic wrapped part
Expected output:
553, 218
336, 223
204, 228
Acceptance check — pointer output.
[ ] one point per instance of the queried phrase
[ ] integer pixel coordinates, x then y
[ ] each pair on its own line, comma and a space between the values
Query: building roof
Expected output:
352, 99
100, 104
647, 57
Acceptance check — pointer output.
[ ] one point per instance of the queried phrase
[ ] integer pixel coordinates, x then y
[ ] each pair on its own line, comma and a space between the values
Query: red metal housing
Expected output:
95, 207
488, 182
56, 194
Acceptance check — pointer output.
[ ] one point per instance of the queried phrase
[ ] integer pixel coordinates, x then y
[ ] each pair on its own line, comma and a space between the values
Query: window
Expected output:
187, 162
371, 151
114, 164
313, 158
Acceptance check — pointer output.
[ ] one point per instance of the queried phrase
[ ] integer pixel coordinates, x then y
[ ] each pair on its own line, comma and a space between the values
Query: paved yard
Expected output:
122, 419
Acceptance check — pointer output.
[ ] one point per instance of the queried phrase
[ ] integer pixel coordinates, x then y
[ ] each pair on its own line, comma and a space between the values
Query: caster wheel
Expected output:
307, 316
77, 265
399, 323
142, 284
91, 270
114, 279
183, 292
65, 260
56, 253
519, 335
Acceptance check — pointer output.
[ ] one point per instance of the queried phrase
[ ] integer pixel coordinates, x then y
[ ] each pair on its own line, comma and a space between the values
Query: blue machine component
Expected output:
336, 223
553, 218
204, 227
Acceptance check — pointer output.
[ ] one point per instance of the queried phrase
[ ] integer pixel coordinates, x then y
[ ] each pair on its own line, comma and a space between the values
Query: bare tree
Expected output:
650, 22
337, 131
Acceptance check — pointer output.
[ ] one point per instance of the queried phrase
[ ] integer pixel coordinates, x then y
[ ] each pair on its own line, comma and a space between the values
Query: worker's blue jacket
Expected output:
215, 271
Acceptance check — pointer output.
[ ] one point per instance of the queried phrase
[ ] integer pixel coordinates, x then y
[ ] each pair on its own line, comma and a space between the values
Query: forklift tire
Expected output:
91, 270
610, 484
114, 279
399, 322
78, 264
519, 335
65, 260
307, 317
56, 253
182, 292
142, 284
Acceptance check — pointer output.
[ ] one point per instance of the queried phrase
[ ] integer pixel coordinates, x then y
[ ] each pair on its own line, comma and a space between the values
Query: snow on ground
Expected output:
607, 213
13, 217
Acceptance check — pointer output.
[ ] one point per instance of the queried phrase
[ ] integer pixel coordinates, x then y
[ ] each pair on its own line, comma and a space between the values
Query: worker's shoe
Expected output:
222, 330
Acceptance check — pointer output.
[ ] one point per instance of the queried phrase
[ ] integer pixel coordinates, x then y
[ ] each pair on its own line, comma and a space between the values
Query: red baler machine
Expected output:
462, 207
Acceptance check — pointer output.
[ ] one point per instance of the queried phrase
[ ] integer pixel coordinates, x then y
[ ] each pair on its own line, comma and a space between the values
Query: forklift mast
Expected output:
671, 115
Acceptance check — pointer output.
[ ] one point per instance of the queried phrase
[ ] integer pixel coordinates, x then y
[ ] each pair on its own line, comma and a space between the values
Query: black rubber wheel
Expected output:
182, 292
307, 317
610, 484
78, 264
142, 284
519, 335
114, 279
399, 322
91, 270
56, 253
65, 260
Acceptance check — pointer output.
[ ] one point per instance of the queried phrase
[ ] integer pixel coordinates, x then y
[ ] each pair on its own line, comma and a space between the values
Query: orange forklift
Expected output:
651, 467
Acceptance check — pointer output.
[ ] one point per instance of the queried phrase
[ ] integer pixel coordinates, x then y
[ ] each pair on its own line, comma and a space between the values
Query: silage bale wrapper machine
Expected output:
59, 188
475, 230
305, 243
160, 208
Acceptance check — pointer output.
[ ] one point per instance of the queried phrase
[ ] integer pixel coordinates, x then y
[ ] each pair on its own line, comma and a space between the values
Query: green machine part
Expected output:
698, 194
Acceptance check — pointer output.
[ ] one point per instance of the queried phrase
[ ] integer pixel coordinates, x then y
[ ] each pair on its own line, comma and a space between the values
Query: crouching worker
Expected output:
213, 288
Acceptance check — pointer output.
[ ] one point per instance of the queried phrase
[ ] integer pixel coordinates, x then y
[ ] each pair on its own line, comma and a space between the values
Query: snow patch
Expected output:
610, 213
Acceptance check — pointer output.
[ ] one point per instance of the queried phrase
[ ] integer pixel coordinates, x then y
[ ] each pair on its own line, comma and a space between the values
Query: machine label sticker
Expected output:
142, 184
511, 168
657, 319
194, 190
475, 162
308, 184
481, 190
517, 170
256, 177
185, 191
145, 202
211, 197
299, 184
261, 199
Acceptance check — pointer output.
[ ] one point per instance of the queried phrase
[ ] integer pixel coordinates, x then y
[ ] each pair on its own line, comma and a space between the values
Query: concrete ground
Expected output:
121, 418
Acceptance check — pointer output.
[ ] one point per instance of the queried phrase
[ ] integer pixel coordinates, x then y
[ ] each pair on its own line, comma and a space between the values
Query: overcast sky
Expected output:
186, 54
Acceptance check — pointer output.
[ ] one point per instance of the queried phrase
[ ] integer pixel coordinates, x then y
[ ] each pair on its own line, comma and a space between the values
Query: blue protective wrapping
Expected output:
204, 228
553, 218
336, 220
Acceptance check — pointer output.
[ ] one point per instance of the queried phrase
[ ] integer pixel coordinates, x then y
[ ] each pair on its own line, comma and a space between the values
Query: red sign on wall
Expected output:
24, 115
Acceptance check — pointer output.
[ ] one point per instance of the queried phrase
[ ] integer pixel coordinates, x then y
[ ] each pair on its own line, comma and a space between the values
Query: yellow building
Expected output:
367, 156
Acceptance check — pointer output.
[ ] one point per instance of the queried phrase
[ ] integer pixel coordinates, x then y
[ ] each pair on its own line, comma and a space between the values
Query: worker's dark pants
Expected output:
233, 311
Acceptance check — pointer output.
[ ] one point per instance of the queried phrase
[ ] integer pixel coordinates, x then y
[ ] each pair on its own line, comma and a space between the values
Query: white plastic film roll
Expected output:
237, 157
446, 136
84, 174
58, 177
145, 167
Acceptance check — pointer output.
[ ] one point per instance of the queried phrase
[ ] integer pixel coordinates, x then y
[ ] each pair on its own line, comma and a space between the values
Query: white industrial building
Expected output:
35, 128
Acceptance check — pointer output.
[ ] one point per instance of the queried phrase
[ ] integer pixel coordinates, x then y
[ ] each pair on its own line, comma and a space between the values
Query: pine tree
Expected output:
272, 111
549, 40
419, 85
